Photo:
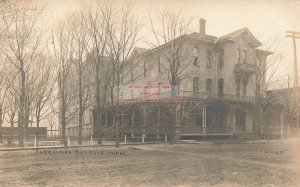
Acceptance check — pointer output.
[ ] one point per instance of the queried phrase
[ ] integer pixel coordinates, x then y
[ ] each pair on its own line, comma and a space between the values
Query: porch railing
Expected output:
202, 95
207, 130
168, 130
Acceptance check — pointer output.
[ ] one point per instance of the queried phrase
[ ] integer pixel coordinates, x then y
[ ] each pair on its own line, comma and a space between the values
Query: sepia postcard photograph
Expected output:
149, 93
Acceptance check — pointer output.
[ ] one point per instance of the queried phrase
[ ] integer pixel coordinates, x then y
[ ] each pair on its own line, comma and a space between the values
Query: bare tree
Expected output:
268, 72
6, 81
43, 85
66, 94
99, 18
78, 44
123, 35
170, 32
21, 49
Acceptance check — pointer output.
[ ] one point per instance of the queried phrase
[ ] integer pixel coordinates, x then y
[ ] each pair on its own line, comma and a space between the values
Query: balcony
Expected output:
245, 69
213, 96
181, 95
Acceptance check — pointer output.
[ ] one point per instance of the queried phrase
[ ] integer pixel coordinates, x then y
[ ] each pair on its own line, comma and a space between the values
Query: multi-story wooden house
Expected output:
215, 91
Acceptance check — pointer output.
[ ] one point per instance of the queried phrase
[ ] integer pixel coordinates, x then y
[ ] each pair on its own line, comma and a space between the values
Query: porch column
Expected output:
281, 123
105, 123
122, 122
204, 119
177, 121
132, 124
144, 120
158, 123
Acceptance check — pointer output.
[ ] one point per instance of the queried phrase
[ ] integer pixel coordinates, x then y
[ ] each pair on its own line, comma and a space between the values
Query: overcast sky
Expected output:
267, 19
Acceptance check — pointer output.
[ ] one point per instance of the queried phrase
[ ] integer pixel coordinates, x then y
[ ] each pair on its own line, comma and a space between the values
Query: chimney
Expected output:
202, 26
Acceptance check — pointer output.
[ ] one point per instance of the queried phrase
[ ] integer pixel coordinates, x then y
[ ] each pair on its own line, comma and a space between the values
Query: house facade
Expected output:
216, 91
216, 87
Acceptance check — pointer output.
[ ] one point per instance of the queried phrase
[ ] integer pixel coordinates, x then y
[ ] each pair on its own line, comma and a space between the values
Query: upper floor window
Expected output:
122, 78
131, 93
238, 85
244, 56
195, 84
244, 87
145, 68
159, 87
238, 53
195, 56
208, 85
221, 86
159, 64
221, 58
131, 75
209, 58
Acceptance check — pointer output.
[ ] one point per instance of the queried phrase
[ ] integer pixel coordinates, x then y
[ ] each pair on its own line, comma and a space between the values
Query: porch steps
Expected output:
245, 136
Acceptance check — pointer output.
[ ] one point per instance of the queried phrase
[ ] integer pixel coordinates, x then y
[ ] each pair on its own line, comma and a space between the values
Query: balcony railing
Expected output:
207, 96
201, 95
245, 68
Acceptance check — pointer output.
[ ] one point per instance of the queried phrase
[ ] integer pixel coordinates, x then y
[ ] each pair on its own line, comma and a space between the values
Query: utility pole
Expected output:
295, 35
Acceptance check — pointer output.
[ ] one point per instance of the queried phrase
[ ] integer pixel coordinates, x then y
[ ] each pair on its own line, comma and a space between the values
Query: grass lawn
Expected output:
271, 164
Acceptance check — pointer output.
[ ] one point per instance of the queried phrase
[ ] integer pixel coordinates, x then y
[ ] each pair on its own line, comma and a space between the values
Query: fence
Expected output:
73, 141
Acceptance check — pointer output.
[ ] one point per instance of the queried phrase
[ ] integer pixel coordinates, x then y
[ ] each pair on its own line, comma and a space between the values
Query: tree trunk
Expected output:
63, 126
173, 114
12, 117
97, 121
80, 128
21, 116
80, 105
26, 122
37, 130
20, 128
1, 122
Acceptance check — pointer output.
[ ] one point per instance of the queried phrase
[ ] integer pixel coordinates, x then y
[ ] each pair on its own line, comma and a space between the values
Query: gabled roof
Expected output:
237, 33
140, 50
137, 51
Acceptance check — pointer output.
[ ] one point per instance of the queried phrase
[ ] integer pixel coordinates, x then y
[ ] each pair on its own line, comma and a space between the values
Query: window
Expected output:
221, 58
145, 68
258, 88
238, 85
159, 64
195, 55
244, 56
131, 92
209, 58
122, 78
208, 85
244, 87
159, 87
238, 52
131, 74
195, 84
221, 86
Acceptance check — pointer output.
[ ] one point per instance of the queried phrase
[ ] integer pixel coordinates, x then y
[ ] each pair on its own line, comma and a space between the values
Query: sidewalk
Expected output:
75, 146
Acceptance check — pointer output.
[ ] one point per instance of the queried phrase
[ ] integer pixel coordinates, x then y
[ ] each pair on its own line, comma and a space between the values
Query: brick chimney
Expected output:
202, 26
